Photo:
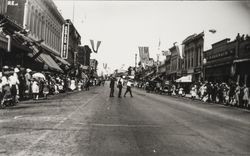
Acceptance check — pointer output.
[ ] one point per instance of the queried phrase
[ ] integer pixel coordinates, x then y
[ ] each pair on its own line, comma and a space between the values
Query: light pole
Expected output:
158, 55
135, 60
204, 68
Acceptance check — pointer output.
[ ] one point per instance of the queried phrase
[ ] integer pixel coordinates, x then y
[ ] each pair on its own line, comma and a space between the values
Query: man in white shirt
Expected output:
129, 85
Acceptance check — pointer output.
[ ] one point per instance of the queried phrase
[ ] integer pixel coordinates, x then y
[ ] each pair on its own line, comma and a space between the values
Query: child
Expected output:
35, 89
46, 89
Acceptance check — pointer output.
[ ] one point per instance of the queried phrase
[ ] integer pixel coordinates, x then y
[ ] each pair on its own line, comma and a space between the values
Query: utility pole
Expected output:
73, 18
158, 55
135, 60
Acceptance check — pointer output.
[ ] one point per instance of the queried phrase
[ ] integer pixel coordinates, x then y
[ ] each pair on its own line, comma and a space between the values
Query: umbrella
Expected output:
39, 75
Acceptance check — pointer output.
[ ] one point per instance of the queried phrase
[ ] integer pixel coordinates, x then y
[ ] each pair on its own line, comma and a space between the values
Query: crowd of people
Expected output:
17, 83
231, 94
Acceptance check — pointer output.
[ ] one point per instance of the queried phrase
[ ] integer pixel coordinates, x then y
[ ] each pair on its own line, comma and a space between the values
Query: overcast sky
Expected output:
122, 26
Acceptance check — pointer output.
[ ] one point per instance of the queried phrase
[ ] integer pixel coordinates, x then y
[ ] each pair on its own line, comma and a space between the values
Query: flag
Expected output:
212, 31
98, 45
165, 53
92, 45
144, 54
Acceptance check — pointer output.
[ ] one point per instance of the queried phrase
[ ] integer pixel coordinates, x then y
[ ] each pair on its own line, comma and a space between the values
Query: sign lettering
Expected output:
65, 41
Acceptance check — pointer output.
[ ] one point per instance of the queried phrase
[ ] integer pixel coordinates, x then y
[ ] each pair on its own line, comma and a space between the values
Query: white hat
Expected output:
5, 67
28, 70
16, 70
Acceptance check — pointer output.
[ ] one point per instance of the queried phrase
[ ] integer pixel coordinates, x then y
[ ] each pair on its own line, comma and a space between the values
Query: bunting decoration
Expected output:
105, 65
93, 45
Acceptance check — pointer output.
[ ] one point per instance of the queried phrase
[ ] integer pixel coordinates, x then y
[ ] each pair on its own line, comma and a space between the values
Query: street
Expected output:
90, 123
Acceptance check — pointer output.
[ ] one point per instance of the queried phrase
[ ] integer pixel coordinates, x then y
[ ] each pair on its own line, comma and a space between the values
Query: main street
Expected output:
90, 123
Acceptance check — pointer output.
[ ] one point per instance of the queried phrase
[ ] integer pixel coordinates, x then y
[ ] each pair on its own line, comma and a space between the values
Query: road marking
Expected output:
23, 152
16, 117
119, 125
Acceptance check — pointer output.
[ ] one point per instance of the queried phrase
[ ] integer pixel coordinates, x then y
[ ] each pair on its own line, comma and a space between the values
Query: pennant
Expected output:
93, 45
98, 45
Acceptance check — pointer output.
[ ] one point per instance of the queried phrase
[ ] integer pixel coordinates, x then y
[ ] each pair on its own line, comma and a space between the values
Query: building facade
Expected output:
74, 40
175, 63
193, 56
41, 19
84, 55
228, 61
3, 6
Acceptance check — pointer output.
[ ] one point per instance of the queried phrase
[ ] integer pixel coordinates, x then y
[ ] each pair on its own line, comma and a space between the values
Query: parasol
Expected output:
39, 75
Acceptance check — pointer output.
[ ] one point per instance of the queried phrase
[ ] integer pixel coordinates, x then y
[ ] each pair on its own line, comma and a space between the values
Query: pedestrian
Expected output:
129, 85
237, 94
245, 96
119, 86
28, 83
112, 86
46, 89
193, 92
14, 82
35, 89
87, 84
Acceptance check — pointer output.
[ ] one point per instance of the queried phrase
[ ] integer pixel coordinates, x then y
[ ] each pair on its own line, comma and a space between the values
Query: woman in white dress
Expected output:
35, 89
72, 84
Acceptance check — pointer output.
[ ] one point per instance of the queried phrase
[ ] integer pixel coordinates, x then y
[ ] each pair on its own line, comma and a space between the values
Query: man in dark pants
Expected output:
112, 87
129, 85
119, 86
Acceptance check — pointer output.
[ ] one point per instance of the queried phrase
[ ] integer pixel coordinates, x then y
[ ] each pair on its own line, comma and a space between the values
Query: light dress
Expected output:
35, 87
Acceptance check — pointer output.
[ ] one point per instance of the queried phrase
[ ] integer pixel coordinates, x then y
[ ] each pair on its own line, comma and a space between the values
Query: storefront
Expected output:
219, 65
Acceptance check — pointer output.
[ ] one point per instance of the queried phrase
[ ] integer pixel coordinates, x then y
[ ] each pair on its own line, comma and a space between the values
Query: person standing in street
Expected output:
119, 86
245, 96
129, 85
112, 86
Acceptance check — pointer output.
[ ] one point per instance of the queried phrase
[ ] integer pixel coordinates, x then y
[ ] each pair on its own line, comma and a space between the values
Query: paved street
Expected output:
92, 124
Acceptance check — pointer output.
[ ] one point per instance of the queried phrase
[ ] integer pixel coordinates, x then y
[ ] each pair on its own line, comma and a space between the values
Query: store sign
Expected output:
12, 3
65, 41
221, 54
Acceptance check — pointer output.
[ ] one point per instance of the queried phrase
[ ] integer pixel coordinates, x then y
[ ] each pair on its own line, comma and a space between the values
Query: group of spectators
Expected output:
232, 93
18, 83
225, 93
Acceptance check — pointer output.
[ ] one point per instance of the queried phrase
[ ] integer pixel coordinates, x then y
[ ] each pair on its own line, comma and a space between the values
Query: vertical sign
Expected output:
65, 41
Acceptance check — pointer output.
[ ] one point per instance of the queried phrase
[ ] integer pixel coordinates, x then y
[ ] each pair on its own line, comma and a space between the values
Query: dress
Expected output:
246, 94
72, 85
35, 87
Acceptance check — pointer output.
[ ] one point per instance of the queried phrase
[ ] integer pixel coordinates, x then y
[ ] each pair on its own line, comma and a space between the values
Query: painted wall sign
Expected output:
65, 41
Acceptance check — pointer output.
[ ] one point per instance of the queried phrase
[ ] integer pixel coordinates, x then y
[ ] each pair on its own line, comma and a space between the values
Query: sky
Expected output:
123, 26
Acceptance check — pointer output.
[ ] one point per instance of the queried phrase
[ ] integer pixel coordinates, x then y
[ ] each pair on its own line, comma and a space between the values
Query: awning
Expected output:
62, 60
241, 60
185, 79
49, 61
156, 77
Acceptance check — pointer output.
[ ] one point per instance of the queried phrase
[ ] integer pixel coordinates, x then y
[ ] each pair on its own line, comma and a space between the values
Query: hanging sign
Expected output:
65, 41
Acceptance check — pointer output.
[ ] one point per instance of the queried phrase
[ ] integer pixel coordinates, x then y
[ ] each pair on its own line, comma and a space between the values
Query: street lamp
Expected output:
204, 68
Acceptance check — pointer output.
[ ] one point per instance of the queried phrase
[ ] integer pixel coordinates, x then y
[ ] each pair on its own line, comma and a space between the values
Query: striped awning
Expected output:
62, 60
48, 60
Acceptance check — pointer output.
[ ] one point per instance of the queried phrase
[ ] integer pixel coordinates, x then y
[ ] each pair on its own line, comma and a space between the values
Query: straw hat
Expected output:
16, 70
28, 70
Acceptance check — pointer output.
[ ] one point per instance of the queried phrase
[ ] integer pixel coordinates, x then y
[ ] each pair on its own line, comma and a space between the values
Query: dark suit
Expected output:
112, 87
120, 88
